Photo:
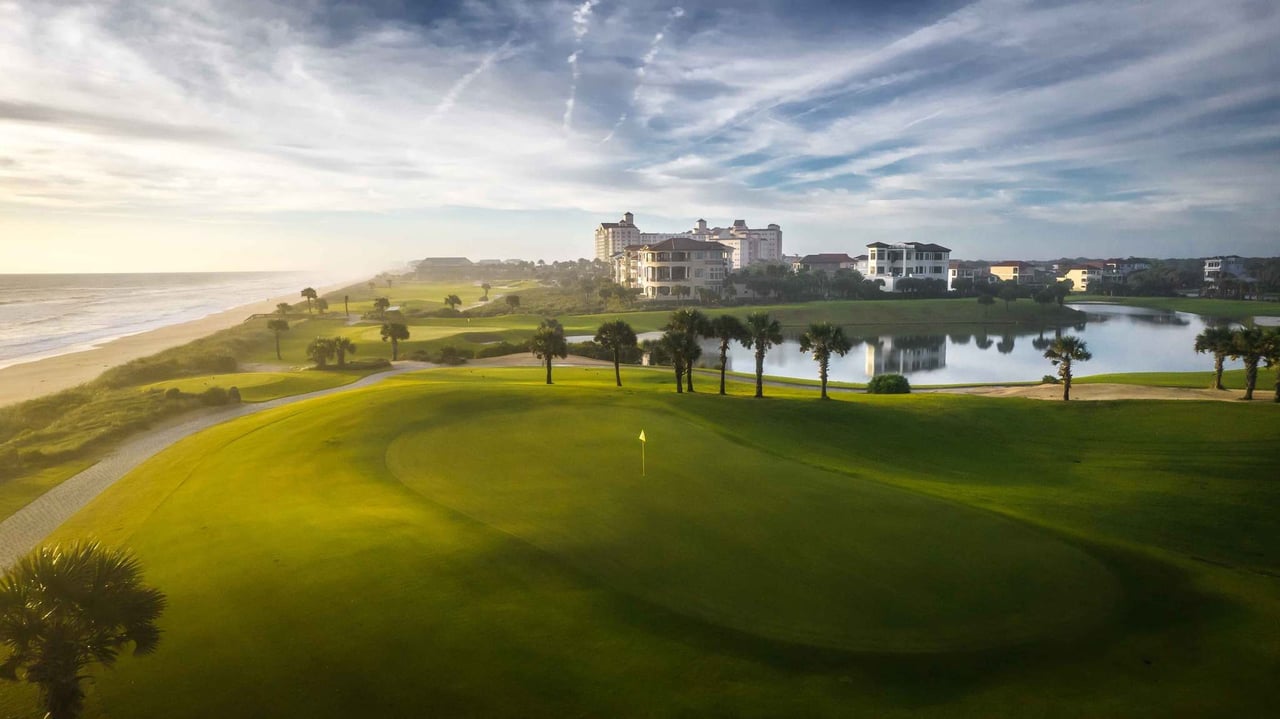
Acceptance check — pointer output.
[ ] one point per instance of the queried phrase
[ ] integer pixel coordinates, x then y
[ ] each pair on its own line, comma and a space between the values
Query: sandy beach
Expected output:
29, 380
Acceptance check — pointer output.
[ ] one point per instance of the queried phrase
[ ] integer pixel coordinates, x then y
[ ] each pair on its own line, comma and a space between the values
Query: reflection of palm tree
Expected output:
982, 341
1006, 344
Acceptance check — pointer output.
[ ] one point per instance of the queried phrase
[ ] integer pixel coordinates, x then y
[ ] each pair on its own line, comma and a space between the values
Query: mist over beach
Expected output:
46, 315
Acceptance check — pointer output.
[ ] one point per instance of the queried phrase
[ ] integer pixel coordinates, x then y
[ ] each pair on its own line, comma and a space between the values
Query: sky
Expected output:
315, 134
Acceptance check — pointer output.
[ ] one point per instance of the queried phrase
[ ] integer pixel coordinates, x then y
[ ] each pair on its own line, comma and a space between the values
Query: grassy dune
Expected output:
263, 386
472, 542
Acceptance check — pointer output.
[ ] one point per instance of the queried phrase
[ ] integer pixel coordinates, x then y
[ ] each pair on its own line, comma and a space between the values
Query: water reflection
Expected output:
1122, 339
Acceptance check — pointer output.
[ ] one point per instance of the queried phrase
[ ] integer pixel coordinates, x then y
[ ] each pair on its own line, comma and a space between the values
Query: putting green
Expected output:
730, 535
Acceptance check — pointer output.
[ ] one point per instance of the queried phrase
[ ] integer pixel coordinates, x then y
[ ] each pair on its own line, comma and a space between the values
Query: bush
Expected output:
451, 355
233, 395
889, 384
1049, 379
173, 393
501, 349
214, 397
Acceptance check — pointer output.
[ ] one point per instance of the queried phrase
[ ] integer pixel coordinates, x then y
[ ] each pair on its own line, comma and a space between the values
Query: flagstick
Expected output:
642, 458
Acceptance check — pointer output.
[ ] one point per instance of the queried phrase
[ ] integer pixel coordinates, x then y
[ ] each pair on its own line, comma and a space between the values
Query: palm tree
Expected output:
1062, 352
395, 332
1271, 353
64, 608
513, 302
823, 339
452, 301
381, 305
343, 345
692, 324
548, 342
283, 308
1248, 345
486, 287
615, 336
310, 294
726, 328
986, 301
346, 304
321, 350
762, 333
1217, 341
278, 327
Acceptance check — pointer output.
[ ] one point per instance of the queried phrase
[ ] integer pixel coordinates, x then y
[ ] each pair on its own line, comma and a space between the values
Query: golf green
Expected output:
729, 535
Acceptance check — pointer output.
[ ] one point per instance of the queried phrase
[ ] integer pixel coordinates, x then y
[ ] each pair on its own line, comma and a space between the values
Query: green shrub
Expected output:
450, 355
173, 393
501, 349
628, 355
1049, 379
214, 397
889, 384
233, 395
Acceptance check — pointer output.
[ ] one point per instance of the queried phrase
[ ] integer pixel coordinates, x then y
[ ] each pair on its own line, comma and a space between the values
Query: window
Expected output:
872, 256
937, 269
698, 273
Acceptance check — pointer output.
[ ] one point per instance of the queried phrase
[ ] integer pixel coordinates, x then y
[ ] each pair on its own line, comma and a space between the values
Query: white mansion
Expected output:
746, 245
919, 260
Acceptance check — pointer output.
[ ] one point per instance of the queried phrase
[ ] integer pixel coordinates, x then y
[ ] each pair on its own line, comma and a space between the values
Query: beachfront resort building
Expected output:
896, 262
747, 245
672, 268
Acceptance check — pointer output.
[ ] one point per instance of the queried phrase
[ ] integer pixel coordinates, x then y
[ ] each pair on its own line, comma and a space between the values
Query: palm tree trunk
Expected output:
617, 371
278, 346
822, 375
725, 351
1066, 380
548, 368
759, 373
395, 350
1217, 371
688, 373
679, 375
1250, 376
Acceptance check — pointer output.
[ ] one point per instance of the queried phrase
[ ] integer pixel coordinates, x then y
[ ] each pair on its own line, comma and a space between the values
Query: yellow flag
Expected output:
642, 439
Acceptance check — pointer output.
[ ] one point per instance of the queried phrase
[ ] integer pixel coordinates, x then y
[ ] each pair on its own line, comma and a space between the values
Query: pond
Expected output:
1121, 338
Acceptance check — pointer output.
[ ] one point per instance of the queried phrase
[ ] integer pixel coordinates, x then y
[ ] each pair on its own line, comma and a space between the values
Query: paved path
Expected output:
31, 524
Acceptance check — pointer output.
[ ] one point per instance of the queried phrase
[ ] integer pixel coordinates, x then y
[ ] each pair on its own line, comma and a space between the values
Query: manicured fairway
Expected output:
472, 542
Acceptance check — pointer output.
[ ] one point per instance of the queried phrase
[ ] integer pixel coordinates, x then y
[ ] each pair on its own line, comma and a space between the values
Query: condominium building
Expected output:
747, 245
672, 268
1016, 271
1082, 276
896, 262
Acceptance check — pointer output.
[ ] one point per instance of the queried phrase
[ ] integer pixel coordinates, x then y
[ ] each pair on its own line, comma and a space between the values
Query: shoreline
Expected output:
39, 377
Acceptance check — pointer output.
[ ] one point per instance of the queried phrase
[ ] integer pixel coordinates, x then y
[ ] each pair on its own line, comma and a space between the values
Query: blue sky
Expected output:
237, 134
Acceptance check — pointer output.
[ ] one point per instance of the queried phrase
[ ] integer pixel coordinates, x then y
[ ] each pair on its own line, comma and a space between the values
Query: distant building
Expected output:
830, 263
1227, 266
1082, 276
978, 272
1023, 273
613, 237
443, 266
860, 265
919, 260
747, 245
671, 268
1120, 269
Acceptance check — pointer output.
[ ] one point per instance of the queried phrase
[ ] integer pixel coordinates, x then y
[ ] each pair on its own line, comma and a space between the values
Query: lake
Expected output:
1122, 339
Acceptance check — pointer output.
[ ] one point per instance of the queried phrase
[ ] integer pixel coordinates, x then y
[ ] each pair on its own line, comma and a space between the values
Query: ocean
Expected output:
48, 315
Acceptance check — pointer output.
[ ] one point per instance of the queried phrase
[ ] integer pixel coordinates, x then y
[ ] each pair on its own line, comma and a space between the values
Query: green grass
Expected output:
1231, 379
472, 542
1237, 310
264, 386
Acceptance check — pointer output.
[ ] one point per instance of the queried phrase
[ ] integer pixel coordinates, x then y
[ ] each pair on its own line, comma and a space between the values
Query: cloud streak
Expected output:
996, 124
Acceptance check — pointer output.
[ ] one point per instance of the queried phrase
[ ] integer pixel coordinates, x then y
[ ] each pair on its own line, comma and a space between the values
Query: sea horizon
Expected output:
44, 315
